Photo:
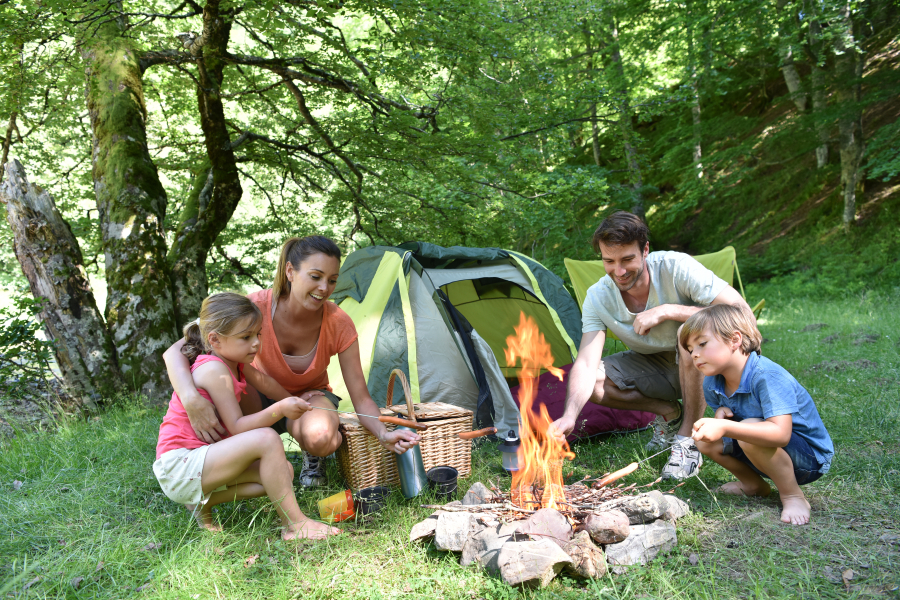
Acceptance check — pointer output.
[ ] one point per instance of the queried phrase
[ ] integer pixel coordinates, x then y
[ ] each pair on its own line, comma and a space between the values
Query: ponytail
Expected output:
226, 314
296, 250
193, 341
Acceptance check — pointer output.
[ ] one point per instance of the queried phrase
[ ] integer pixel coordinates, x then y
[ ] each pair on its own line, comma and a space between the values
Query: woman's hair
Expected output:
724, 320
221, 313
295, 251
621, 229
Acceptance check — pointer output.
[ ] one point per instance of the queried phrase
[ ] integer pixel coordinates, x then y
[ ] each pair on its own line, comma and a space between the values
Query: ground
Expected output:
81, 515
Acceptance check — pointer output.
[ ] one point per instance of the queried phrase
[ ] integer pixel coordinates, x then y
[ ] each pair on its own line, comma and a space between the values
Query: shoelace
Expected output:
679, 449
312, 465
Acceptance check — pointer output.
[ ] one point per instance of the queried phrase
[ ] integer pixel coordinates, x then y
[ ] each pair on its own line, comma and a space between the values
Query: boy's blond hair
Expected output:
723, 320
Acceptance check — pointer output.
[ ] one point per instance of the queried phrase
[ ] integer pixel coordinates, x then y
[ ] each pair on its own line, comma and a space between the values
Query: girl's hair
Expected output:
724, 320
220, 313
295, 251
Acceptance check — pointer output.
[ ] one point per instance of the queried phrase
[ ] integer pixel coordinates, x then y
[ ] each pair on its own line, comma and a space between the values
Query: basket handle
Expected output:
406, 392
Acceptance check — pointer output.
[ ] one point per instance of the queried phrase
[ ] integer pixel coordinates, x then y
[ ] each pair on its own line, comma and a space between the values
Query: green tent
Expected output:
442, 315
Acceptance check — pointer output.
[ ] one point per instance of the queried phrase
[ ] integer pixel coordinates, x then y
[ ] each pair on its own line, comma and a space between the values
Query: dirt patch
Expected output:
814, 327
866, 338
834, 366
831, 338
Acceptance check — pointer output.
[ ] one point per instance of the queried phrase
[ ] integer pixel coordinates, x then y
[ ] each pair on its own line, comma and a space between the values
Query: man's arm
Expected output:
582, 379
649, 319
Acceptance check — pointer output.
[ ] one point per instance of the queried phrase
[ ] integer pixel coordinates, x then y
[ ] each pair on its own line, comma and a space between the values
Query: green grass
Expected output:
89, 506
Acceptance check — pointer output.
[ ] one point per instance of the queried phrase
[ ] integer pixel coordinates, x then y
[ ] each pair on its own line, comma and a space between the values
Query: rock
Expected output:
588, 561
642, 546
531, 564
453, 529
607, 527
548, 524
641, 509
675, 508
477, 494
484, 545
660, 500
424, 530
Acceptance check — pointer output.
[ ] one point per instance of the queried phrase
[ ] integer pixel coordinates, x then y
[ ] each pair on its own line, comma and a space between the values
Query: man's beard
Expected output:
634, 281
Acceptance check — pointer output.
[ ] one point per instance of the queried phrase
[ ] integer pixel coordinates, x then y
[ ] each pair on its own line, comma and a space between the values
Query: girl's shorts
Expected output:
179, 473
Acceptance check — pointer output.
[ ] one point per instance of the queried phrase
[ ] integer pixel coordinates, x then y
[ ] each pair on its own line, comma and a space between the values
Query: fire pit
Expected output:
541, 526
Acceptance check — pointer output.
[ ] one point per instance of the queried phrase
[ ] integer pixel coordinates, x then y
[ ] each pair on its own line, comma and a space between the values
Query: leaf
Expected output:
17, 485
251, 560
76, 582
847, 576
31, 583
100, 566
152, 546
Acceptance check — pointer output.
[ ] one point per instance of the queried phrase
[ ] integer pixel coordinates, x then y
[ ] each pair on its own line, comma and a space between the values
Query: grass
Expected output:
89, 507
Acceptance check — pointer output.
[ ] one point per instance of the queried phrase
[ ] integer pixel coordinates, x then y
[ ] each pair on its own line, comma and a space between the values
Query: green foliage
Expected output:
883, 153
24, 358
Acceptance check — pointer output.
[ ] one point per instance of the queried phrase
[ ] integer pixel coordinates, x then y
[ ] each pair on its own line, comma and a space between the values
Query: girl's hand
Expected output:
723, 412
399, 441
293, 407
709, 430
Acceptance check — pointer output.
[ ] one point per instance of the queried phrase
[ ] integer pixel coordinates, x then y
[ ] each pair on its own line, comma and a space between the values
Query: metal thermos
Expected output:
411, 470
509, 448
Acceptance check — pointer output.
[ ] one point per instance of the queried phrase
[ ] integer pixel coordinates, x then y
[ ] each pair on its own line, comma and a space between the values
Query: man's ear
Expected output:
646, 249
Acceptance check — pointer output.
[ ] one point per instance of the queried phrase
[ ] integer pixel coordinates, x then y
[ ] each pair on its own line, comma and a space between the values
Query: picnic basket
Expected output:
364, 462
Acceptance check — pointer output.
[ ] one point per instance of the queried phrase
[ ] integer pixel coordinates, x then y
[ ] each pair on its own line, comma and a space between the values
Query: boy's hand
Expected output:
293, 407
723, 412
709, 430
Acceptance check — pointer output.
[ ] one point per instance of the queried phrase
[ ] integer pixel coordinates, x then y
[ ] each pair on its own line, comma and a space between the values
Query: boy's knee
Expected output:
709, 448
751, 449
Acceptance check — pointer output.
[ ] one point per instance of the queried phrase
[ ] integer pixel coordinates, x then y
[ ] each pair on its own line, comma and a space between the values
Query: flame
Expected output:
540, 457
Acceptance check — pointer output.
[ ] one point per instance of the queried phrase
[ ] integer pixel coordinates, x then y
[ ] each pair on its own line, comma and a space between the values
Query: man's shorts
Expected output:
806, 466
280, 426
179, 473
653, 375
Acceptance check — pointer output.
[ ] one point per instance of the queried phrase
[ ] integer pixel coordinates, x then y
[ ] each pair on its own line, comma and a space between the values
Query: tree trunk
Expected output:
52, 262
620, 84
132, 205
786, 54
694, 77
818, 92
849, 65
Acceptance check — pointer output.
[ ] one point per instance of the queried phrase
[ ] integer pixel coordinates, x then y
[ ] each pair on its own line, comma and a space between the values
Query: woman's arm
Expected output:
351, 369
215, 378
200, 412
270, 387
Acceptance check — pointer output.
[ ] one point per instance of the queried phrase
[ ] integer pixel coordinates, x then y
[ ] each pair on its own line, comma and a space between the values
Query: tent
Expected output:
442, 315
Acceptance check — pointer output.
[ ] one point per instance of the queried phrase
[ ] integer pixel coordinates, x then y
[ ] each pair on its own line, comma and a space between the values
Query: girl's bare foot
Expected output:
736, 488
203, 517
796, 510
308, 530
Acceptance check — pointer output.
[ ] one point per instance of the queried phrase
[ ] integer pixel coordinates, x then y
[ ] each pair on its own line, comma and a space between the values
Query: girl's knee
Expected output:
270, 440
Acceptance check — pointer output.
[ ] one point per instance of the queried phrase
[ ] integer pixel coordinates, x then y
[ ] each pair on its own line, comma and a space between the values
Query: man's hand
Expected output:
399, 441
649, 319
293, 407
723, 412
560, 428
203, 418
709, 430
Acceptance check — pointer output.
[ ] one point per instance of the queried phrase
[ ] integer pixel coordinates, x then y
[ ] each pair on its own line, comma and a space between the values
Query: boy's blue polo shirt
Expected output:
768, 390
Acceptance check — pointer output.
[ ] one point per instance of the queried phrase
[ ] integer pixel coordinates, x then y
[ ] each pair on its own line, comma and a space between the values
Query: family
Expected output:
691, 337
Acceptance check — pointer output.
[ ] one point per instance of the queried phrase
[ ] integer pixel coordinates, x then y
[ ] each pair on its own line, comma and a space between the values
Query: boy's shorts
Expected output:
806, 466
280, 426
179, 473
653, 375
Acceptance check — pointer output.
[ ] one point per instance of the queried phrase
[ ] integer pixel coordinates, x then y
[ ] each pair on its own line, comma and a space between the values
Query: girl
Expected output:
249, 461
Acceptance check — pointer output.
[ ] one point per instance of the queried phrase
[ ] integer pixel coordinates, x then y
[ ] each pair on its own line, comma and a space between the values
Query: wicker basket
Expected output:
365, 463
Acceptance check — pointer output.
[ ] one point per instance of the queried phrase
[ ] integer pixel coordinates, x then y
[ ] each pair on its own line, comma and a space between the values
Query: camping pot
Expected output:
509, 450
411, 470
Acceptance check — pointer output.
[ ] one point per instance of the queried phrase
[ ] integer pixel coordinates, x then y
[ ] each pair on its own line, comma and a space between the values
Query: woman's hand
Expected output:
399, 441
293, 407
203, 417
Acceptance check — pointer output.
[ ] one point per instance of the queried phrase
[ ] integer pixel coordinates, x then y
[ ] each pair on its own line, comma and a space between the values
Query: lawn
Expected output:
81, 515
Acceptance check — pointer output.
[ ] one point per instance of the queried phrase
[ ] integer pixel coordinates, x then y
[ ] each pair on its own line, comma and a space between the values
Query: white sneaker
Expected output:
684, 461
663, 432
313, 472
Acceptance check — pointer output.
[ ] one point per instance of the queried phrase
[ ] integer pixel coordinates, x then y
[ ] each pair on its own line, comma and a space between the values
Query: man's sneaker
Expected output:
684, 462
664, 432
313, 472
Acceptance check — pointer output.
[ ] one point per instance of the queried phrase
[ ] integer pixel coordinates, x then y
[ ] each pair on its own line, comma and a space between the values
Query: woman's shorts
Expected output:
280, 426
179, 473
806, 466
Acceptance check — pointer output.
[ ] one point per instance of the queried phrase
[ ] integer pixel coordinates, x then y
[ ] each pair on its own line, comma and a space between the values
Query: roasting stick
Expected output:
383, 419
467, 435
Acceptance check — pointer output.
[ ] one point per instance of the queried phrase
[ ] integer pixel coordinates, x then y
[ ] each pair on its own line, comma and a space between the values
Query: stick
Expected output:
383, 419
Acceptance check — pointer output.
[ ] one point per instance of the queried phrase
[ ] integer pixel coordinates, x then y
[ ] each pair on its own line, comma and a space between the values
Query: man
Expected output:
643, 300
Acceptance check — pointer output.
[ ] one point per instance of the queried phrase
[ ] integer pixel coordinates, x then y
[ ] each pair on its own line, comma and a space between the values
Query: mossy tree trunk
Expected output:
52, 262
140, 311
849, 65
629, 139
217, 187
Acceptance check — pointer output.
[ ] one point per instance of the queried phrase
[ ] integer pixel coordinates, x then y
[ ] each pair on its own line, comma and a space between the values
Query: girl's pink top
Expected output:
176, 431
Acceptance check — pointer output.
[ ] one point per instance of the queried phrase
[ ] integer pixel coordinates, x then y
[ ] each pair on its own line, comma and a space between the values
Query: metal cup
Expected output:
411, 470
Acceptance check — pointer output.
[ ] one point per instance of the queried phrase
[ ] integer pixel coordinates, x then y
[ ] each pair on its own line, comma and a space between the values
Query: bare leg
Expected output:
691, 391
776, 463
749, 482
317, 430
607, 393
231, 461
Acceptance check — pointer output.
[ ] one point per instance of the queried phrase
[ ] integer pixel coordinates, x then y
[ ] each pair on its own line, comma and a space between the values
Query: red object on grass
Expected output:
594, 419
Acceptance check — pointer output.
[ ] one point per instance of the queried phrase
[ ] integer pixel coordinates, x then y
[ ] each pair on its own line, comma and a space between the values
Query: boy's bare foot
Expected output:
203, 517
736, 488
309, 530
796, 510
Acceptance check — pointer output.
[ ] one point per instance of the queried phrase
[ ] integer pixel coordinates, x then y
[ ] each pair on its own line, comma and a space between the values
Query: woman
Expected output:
301, 332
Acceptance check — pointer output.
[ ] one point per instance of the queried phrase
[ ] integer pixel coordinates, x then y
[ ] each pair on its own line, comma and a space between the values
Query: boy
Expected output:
766, 423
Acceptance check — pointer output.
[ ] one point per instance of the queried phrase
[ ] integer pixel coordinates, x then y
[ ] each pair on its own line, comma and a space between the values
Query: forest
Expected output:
175, 145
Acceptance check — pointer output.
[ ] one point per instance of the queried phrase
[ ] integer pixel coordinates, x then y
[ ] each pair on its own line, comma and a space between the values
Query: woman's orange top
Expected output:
337, 334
